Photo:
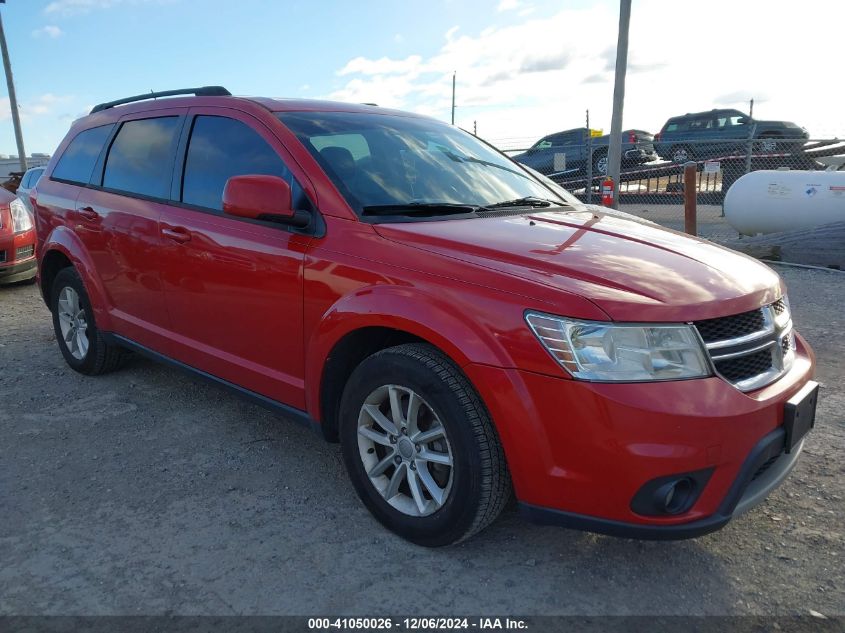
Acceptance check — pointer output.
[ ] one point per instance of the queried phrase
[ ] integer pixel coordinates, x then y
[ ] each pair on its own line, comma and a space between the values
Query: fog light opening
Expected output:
674, 497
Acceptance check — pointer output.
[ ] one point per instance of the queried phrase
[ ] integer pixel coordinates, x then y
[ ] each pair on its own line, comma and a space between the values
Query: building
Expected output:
8, 164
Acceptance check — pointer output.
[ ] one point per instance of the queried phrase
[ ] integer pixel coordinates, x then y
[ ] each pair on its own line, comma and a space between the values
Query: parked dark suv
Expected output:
567, 152
464, 329
715, 133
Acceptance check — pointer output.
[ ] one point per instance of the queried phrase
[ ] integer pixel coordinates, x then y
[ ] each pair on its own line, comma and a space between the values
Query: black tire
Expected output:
599, 159
100, 357
767, 145
480, 484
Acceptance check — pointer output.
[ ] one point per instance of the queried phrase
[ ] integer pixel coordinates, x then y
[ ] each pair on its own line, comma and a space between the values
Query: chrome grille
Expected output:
731, 326
751, 349
745, 367
22, 252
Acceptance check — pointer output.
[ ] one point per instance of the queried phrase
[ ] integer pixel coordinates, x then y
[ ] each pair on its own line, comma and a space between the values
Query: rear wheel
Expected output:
420, 447
81, 344
681, 154
767, 145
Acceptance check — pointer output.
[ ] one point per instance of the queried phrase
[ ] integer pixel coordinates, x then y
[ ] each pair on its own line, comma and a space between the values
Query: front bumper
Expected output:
579, 452
640, 156
748, 490
18, 271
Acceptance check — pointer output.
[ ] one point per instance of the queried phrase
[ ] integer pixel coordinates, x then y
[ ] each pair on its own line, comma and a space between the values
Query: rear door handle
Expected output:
88, 213
176, 233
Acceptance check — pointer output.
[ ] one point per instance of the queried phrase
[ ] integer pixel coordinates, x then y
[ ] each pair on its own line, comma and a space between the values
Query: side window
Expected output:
25, 180
221, 148
77, 161
699, 123
141, 157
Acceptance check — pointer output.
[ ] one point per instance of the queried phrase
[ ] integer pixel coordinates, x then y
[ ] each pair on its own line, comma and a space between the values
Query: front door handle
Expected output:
176, 233
88, 213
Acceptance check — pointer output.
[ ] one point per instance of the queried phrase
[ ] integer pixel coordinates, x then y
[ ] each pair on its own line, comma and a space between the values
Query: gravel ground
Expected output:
142, 492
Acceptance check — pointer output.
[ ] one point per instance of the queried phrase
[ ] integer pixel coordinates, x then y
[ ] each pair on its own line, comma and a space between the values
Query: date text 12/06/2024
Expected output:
416, 624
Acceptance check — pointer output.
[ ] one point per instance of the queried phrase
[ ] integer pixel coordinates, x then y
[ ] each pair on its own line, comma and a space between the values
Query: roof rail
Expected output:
204, 91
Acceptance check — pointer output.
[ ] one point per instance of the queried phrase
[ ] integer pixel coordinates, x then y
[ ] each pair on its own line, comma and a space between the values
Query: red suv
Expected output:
463, 327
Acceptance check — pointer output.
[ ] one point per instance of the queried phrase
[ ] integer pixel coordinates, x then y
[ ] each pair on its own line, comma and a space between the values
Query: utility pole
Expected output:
453, 97
13, 101
752, 129
614, 154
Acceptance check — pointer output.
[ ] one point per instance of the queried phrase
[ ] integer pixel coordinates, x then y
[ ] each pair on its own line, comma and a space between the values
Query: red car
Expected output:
17, 240
463, 328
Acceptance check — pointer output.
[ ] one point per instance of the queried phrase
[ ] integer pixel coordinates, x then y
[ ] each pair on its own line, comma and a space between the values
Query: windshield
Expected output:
378, 160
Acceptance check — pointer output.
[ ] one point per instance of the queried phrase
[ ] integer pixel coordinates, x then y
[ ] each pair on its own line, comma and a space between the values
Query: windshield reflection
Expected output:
387, 159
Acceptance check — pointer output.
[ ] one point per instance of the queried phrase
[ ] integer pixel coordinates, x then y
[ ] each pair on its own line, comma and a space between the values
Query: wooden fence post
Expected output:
690, 190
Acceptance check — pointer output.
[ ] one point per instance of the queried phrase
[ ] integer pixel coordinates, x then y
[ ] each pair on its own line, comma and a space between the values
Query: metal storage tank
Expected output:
773, 201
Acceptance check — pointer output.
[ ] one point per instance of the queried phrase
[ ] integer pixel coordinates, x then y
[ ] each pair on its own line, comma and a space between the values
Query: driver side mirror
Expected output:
260, 197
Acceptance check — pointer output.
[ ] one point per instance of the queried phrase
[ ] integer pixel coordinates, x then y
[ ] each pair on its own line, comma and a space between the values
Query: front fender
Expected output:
440, 319
65, 241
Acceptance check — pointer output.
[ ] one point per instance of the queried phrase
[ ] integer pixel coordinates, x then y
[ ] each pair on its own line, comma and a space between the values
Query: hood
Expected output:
781, 125
634, 271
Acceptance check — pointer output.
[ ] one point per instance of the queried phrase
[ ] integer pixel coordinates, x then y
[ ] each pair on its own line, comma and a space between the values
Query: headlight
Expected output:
594, 350
21, 220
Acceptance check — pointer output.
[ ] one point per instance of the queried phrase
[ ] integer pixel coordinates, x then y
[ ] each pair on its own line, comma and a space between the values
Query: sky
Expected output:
525, 68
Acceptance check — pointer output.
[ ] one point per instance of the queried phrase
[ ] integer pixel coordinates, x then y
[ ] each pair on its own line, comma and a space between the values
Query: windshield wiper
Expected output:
527, 201
420, 208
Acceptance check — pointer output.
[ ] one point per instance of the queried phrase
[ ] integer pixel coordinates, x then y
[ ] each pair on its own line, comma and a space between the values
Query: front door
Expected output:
234, 286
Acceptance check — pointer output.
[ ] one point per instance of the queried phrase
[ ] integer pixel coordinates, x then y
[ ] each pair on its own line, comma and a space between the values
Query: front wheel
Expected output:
420, 447
600, 163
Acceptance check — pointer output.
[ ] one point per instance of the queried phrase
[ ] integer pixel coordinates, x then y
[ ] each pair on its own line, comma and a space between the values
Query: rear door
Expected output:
234, 286
119, 216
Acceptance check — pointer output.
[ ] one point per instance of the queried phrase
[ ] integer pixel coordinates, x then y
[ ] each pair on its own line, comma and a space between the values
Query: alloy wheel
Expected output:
73, 323
405, 450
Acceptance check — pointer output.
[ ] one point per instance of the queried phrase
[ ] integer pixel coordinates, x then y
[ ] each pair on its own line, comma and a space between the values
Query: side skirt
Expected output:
285, 411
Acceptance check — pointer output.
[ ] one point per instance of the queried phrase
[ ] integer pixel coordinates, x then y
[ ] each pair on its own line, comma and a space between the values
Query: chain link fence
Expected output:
652, 173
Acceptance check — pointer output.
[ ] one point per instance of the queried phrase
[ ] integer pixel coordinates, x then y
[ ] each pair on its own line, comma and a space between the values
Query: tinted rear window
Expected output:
141, 157
77, 162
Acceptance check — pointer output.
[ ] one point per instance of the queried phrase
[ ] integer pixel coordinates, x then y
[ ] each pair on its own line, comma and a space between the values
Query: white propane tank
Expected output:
773, 201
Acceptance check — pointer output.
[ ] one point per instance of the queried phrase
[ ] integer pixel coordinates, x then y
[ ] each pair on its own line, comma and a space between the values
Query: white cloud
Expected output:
49, 30
383, 66
46, 104
508, 5
524, 80
76, 7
